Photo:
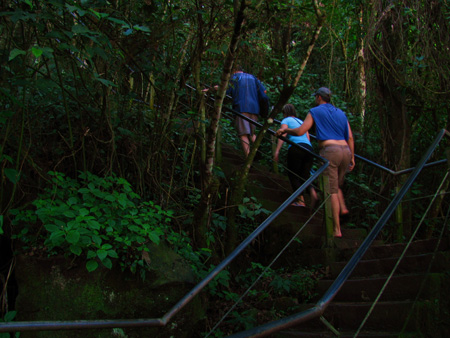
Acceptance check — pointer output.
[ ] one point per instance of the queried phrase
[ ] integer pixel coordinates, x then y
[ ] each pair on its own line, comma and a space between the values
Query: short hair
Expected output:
289, 110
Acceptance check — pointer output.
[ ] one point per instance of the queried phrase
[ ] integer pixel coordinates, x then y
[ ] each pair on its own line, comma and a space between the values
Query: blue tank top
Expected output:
331, 122
293, 122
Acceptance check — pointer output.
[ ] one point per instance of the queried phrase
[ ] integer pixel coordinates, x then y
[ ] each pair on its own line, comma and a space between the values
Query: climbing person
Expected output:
336, 144
244, 89
299, 160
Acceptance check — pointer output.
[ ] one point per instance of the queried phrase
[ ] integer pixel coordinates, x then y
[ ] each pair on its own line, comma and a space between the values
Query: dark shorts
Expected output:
243, 127
340, 158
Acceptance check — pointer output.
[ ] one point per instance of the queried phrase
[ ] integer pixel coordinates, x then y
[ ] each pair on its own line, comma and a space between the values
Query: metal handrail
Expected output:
323, 303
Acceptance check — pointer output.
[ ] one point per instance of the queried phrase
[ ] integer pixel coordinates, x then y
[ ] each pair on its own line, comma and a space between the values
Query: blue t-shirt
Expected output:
331, 122
293, 122
244, 91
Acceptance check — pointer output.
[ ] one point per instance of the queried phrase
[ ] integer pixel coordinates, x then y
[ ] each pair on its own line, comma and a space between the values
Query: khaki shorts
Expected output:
243, 127
340, 157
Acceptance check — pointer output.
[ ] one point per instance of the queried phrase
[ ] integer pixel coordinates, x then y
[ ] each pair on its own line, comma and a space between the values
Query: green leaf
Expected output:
91, 265
69, 214
72, 201
80, 29
83, 212
16, 52
101, 254
154, 237
37, 51
75, 249
141, 28
51, 227
97, 240
113, 254
121, 22
106, 82
73, 237
10, 315
1, 225
12, 175
107, 262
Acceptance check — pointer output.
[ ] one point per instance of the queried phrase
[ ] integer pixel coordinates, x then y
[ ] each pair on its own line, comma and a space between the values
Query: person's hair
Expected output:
326, 98
238, 68
289, 110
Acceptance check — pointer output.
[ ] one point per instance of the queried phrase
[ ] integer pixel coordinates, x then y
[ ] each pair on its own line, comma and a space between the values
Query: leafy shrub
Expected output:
101, 219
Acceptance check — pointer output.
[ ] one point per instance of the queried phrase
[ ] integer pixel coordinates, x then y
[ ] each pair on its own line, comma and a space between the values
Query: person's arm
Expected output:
351, 145
299, 131
279, 145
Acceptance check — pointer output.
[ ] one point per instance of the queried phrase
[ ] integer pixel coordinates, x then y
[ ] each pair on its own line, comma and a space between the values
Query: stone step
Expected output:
329, 334
395, 250
399, 288
348, 316
383, 267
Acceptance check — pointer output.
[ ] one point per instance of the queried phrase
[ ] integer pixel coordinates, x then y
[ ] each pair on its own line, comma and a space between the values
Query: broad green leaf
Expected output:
15, 52
73, 237
12, 175
141, 28
106, 82
113, 254
10, 315
69, 214
154, 237
1, 225
102, 254
125, 25
80, 29
106, 246
83, 212
72, 201
37, 51
75, 249
107, 262
91, 265
96, 240
51, 227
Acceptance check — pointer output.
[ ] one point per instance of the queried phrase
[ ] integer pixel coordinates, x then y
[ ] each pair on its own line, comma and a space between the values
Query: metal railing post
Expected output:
328, 215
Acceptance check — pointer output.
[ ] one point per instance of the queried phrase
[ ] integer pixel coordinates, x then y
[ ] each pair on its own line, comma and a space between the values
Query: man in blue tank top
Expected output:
336, 144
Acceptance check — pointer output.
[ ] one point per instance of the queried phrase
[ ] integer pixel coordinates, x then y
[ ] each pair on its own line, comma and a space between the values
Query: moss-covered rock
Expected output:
56, 289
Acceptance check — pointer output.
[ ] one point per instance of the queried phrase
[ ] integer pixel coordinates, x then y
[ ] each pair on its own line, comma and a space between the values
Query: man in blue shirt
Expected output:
336, 144
244, 91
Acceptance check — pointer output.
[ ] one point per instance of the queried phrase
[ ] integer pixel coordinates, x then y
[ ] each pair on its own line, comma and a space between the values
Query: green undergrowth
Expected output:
99, 219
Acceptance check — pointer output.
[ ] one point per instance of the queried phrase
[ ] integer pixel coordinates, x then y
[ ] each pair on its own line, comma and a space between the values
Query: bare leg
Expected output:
313, 195
342, 207
335, 208
245, 142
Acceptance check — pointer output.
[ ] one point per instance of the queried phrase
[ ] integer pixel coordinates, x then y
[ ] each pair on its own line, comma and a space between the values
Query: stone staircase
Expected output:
416, 301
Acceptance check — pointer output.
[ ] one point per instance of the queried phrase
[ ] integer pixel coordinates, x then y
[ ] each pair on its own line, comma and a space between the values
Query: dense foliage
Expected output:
102, 116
